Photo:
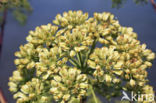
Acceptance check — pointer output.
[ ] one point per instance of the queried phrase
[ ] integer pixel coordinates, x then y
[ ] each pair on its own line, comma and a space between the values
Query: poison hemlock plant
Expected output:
78, 57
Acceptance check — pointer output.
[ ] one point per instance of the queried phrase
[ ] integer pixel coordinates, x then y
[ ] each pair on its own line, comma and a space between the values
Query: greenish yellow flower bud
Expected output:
132, 82
31, 65
116, 80
91, 63
24, 61
149, 64
119, 65
127, 76
108, 78
44, 99
146, 52
78, 49
12, 89
118, 72
18, 54
19, 94
57, 78
72, 53
151, 56
81, 78
141, 83
148, 89
31, 95
53, 90
17, 76
25, 89
12, 84
17, 61
66, 97
143, 66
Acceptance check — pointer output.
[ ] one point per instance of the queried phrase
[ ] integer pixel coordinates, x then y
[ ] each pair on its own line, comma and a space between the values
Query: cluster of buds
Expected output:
15, 81
33, 91
48, 62
105, 60
77, 40
43, 35
70, 18
76, 53
70, 83
26, 56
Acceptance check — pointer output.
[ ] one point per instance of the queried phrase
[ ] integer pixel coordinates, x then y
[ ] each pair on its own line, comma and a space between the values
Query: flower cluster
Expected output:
33, 91
70, 83
77, 55
15, 81
70, 18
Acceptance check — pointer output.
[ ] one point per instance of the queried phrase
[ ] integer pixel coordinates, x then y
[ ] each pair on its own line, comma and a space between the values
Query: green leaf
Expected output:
20, 17
27, 6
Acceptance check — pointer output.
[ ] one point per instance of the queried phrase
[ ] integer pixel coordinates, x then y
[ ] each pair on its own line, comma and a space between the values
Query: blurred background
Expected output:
140, 16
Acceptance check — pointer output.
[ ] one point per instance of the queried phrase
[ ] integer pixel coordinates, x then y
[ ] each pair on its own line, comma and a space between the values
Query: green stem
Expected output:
89, 53
93, 93
79, 59
74, 62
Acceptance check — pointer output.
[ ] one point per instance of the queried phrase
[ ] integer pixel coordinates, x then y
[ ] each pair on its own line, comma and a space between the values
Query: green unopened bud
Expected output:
17, 61
72, 53
57, 78
151, 56
118, 65
132, 82
31, 65
25, 89
66, 97
149, 64
108, 78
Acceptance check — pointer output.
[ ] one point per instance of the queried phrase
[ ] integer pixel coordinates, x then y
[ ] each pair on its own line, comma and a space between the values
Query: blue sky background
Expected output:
141, 18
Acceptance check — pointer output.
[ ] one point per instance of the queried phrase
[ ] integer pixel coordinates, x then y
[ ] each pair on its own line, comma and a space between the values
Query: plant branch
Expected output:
80, 59
2, 98
154, 4
89, 53
74, 62
2, 28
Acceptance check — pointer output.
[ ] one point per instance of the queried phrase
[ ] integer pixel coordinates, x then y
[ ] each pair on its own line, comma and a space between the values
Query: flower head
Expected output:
62, 61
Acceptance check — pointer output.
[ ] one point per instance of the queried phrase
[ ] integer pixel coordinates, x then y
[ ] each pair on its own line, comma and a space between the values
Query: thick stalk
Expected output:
154, 4
93, 93
2, 98
2, 28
